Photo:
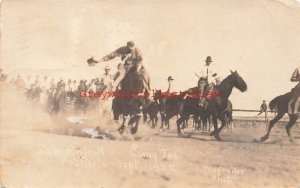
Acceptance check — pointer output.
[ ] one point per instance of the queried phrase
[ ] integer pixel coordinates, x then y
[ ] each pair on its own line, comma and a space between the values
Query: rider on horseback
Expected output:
295, 99
132, 57
209, 84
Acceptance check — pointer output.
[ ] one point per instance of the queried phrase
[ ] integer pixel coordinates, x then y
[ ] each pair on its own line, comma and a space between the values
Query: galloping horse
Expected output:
217, 111
280, 105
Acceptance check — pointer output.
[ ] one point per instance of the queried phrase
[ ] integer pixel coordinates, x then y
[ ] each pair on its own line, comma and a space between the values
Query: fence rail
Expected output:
258, 119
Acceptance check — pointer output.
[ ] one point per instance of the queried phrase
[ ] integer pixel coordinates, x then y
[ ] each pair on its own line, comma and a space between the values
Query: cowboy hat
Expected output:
91, 61
170, 78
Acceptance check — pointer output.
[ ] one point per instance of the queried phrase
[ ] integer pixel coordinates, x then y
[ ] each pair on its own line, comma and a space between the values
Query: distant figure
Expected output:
2, 76
264, 109
295, 98
170, 80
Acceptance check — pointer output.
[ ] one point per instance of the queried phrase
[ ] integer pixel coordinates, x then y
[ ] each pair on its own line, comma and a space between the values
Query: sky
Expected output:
260, 39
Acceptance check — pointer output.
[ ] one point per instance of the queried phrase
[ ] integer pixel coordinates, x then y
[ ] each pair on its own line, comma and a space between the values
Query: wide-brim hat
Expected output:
208, 59
264, 100
170, 78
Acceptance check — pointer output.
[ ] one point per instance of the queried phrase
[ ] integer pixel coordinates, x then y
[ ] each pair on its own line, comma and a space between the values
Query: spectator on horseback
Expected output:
210, 75
295, 98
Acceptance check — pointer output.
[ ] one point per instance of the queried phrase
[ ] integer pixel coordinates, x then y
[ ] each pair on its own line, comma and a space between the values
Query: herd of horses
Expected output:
186, 107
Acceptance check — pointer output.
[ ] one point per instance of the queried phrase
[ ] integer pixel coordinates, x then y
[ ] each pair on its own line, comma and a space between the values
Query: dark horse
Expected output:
217, 111
280, 105
169, 106
132, 103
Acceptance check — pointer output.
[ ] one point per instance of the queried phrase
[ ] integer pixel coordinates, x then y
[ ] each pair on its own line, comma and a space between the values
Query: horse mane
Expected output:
225, 81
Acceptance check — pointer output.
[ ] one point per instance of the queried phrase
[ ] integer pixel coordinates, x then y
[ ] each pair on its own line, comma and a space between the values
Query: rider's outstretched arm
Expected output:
120, 52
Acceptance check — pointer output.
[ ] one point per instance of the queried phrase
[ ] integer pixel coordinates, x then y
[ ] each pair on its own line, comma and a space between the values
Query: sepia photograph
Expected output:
149, 93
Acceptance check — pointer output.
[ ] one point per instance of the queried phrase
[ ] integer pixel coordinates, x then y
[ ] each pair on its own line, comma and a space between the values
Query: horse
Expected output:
280, 105
169, 106
217, 111
152, 110
132, 103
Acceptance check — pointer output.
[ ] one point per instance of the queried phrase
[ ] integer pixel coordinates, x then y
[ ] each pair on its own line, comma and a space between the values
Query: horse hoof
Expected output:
292, 140
212, 133
121, 129
180, 134
218, 138
264, 138
134, 130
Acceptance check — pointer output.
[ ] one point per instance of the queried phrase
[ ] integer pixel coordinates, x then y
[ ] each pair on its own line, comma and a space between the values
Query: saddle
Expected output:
212, 97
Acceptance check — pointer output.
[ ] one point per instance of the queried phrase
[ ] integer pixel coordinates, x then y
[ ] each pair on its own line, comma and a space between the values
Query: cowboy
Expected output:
132, 57
210, 75
107, 79
295, 99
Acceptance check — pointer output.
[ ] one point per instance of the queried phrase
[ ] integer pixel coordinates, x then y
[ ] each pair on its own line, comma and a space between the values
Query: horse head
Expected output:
238, 81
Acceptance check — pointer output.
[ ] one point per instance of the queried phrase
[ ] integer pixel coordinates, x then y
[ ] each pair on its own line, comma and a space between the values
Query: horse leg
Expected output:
293, 119
134, 129
179, 122
271, 124
162, 116
144, 116
215, 123
156, 120
167, 121
152, 121
223, 119
209, 122
126, 119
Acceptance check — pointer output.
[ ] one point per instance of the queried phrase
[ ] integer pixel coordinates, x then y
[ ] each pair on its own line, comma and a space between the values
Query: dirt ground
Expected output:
39, 151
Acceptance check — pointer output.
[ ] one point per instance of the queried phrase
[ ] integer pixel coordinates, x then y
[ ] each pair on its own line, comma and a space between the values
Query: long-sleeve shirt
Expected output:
125, 52
208, 71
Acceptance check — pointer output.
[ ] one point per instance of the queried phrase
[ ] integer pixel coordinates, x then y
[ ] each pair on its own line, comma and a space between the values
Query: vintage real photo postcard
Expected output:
149, 93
